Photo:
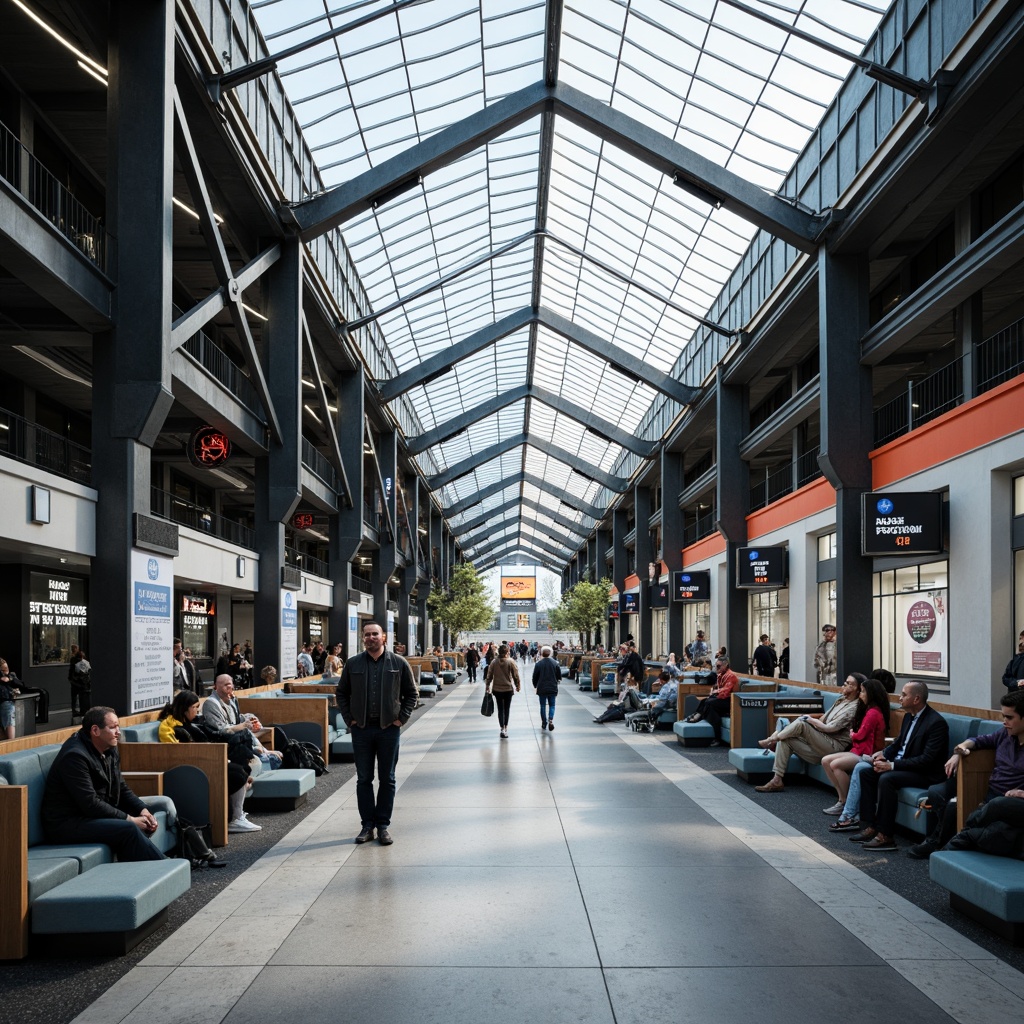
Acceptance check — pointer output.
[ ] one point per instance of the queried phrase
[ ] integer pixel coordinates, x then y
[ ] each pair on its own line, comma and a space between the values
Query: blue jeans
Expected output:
547, 701
852, 808
372, 744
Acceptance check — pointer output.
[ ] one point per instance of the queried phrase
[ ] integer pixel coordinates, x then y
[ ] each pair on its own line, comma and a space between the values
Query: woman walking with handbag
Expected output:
502, 678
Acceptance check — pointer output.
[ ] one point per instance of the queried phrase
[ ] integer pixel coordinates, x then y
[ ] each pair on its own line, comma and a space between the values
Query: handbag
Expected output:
487, 707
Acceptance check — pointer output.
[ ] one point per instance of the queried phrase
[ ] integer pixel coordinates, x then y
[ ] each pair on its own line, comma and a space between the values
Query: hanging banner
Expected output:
289, 634
152, 630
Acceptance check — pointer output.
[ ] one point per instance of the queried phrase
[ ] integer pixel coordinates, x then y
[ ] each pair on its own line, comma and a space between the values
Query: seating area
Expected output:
47, 888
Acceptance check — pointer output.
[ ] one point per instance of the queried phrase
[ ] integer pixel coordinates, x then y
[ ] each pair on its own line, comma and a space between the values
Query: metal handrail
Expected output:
28, 442
165, 505
319, 466
22, 170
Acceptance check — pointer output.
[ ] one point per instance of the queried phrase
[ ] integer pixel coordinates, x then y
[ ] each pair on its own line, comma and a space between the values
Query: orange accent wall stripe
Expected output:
815, 497
632, 581
987, 418
706, 548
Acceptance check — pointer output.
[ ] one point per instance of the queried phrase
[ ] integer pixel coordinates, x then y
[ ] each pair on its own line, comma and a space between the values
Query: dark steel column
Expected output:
846, 440
672, 527
279, 473
346, 526
131, 364
437, 575
644, 557
733, 495
385, 558
620, 565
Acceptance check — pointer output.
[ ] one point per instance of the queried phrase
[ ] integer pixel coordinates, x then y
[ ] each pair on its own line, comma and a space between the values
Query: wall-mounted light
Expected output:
40, 504
240, 567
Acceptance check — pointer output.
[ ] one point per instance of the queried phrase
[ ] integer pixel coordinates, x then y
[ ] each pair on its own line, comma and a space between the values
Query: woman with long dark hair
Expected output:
867, 735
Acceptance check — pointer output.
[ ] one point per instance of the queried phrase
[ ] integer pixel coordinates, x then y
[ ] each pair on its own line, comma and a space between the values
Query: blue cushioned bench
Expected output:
112, 907
700, 734
983, 887
283, 789
35, 870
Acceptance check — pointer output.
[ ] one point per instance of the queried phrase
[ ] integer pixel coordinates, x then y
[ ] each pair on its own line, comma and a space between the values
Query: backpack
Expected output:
303, 755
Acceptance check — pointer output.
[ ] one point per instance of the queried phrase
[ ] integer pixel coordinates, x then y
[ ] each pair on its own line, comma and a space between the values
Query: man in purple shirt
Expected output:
1007, 778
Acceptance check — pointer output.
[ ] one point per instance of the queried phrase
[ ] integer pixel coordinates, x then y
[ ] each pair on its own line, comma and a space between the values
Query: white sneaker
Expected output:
243, 824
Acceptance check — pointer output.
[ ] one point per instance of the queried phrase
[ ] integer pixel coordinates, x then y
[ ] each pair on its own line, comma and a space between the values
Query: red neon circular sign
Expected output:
208, 447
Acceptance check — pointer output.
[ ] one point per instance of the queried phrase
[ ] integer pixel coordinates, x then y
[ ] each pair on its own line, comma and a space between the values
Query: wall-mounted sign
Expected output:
58, 616
613, 608
518, 588
208, 447
302, 520
629, 604
657, 595
691, 586
907, 523
198, 604
761, 567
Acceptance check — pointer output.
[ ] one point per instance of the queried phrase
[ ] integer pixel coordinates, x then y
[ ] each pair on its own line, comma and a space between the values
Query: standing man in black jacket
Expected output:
376, 696
87, 801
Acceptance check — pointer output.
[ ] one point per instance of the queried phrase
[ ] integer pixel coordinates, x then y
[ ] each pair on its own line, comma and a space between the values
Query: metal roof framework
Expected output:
543, 198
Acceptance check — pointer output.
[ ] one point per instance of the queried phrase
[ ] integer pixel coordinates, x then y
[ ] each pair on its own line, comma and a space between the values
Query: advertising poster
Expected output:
921, 619
289, 634
152, 630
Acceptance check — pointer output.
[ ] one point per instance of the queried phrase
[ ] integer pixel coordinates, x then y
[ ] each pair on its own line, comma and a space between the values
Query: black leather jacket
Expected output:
398, 690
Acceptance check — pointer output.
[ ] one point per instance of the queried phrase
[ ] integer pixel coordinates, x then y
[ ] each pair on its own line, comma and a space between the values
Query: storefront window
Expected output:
659, 632
826, 547
826, 603
912, 620
769, 613
58, 617
197, 617
696, 615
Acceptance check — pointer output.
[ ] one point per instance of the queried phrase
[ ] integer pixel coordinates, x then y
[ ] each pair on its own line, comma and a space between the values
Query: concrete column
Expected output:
620, 562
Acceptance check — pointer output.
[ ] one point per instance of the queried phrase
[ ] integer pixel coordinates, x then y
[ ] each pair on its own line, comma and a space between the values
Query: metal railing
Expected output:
53, 200
34, 445
363, 586
165, 505
994, 361
306, 562
700, 528
212, 358
789, 478
318, 465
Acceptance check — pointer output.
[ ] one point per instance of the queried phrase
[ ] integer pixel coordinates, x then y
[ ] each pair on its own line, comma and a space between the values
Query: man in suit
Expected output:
376, 696
916, 758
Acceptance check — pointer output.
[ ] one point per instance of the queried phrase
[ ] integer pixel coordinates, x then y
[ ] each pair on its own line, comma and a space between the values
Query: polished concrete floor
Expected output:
586, 874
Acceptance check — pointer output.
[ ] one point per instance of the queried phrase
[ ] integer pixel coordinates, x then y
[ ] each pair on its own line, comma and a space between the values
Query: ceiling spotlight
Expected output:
697, 191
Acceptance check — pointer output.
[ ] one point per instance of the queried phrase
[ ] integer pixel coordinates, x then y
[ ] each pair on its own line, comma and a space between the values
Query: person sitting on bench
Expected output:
667, 697
87, 801
628, 700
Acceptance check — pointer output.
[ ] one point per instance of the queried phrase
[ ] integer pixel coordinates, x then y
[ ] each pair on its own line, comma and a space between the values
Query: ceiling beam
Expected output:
603, 428
439, 480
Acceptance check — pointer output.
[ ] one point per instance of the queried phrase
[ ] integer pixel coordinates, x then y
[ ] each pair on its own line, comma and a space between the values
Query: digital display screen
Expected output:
761, 567
691, 586
901, 523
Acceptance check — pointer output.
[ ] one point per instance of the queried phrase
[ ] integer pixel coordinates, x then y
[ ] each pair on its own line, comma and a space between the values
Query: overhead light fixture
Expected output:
307, 383
192, 213
311, 413
50, 364
83, 58
405, 185
233, 480
697, 191
95, 74
256, 313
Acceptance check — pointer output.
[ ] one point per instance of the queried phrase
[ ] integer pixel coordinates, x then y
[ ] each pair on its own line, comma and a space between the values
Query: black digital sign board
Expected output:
691, 586
613, 608
761, 567
629, 604
901, 523
657, 595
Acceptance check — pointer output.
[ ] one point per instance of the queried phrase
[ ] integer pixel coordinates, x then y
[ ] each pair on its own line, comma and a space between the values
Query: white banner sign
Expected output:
289, 634
152, 631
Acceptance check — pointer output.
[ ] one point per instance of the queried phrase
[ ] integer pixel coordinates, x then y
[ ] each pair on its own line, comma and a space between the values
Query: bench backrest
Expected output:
29, 768
148, 732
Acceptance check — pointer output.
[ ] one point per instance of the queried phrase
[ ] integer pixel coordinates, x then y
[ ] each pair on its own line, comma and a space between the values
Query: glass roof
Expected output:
586, 231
